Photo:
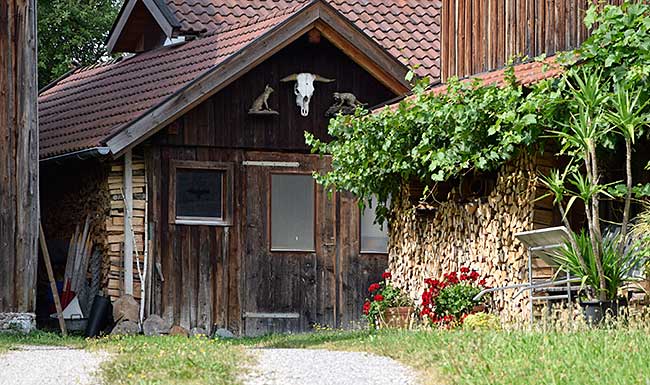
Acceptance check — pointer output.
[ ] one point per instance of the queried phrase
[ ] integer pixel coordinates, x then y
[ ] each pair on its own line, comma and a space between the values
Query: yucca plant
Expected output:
596, 116
618, 264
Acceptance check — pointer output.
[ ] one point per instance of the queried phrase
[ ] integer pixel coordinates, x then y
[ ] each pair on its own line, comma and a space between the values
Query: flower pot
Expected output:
595, 311
479, 308
396, 317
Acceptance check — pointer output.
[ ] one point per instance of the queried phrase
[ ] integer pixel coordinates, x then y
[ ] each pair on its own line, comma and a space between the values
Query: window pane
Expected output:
199, 193
374, 238
292, 212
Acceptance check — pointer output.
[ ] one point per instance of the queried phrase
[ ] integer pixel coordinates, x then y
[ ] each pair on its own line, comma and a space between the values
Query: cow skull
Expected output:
304, 88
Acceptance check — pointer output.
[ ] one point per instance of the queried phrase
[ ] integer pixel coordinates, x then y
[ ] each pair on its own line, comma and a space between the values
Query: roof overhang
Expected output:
165, 20
317, 14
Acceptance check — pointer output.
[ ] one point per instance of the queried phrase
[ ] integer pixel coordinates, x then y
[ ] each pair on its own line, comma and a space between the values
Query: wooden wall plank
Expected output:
18, 156
482, 35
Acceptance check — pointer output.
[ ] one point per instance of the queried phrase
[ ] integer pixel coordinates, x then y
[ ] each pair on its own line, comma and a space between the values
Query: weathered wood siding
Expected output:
223, 120
211, 275
18, 156
482, 35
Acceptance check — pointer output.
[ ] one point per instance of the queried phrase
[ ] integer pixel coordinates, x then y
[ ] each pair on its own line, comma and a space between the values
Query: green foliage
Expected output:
617, 265
482, 321
456, 300
433, 137
383, 295
71, 33
621, 42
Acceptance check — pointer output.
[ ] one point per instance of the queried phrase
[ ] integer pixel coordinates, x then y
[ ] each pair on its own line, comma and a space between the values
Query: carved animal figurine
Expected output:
261, 103
304, 88
345, 103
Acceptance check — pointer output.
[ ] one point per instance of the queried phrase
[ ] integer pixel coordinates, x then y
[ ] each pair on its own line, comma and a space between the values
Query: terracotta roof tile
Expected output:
526, 73
93, 103
418, 22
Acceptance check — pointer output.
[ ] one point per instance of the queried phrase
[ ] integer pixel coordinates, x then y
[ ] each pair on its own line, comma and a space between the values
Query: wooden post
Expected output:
128, 215
18, 161
50, 276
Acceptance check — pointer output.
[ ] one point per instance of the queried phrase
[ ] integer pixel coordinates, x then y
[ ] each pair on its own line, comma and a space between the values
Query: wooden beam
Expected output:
18, 156
50, 277
128, 228
247, 58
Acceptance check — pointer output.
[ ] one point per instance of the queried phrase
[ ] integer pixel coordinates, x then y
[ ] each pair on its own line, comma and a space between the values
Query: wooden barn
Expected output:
182, 171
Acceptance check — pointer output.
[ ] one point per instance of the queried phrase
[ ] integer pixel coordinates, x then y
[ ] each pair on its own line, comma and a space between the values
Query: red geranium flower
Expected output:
374, 287
366, 307
474, 275
464, 277
464, 269
387, 275
482, 282
379, 297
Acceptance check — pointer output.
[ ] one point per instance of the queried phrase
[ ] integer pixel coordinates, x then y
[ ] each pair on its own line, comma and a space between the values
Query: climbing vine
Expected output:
433, 137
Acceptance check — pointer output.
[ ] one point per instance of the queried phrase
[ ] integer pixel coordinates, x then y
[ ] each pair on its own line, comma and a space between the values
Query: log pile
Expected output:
114, 261
478, 234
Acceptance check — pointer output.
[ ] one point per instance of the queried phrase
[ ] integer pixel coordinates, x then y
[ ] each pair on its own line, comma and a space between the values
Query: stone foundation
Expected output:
17, 322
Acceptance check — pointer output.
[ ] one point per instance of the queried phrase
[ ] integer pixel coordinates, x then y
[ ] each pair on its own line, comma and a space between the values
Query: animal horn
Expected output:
290, 78
321, 79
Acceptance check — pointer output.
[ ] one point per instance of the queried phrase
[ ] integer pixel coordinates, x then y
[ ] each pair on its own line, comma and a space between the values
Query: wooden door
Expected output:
286, 288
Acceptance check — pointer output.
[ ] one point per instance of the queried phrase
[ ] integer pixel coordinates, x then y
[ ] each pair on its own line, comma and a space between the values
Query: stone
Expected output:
223, 333
126, 308
155, 325
17, 322
198, 332
177, 330
126, 328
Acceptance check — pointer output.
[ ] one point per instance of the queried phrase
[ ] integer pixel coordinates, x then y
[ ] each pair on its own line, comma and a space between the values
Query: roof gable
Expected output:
137, 21
408, 29
121, 104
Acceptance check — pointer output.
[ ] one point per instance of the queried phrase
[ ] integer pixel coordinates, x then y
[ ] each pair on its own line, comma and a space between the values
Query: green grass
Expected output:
10, 341
603, 356
517, 357
170, 360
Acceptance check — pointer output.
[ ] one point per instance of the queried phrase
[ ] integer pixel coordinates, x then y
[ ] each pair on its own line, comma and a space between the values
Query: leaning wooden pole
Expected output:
50, 276
18, 164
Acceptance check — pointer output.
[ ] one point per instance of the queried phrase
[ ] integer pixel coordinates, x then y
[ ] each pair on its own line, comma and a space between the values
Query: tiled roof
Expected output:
408, 29
93, 103
526, 73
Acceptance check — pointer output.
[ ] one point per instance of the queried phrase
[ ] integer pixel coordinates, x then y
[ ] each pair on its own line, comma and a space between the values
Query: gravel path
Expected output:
323, 367
51, 365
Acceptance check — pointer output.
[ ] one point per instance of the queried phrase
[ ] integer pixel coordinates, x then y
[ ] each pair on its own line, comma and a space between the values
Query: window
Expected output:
201, 192
374, 238
292, 212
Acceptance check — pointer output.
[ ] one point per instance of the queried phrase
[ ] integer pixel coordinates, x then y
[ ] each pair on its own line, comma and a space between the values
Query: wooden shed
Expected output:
188, 156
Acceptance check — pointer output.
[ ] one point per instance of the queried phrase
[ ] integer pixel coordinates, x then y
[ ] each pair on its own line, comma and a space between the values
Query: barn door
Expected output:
290, 246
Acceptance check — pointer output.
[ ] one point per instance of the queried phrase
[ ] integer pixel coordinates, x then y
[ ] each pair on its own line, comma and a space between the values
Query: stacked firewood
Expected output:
114, 260
478, 234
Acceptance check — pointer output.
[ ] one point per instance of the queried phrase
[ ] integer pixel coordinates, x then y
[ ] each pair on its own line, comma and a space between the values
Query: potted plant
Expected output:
600, 112
618, 267
387, 306
447, 302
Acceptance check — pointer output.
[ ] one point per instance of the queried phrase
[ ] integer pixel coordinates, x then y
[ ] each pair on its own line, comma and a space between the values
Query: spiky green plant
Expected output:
618, 265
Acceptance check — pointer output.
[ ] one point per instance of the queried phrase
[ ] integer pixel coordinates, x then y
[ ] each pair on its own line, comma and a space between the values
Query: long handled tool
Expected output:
50, 275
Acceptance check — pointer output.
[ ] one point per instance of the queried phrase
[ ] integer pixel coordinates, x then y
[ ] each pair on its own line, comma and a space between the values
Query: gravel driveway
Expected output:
52, 365
323, 367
